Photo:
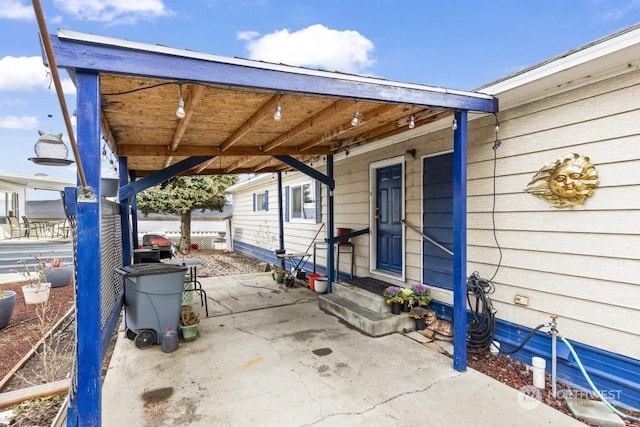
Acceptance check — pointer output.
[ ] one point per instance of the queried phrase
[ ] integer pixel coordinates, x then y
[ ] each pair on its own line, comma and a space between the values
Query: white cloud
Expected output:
15, 9
316, 46
114, 11
18, 122
24, 73
614, 10
27, 73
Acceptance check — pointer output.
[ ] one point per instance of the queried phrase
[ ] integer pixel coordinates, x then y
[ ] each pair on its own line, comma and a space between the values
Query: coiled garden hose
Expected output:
481, 330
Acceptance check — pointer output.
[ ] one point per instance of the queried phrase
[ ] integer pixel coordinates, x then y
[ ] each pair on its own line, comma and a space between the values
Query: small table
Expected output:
193, 264
295, 259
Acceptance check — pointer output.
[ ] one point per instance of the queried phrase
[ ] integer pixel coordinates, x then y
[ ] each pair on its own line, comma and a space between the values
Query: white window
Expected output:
303, 202
260, 206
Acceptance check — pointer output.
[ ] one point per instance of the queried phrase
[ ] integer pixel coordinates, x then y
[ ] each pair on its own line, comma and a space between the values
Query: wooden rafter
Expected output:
206, 150
314, 120
346, 127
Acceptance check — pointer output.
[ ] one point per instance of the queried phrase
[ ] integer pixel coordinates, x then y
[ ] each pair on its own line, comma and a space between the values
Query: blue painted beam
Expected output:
79, 54
85, 408
307, 170
460, 242
330, 226
280, 213
156, 178
350, 235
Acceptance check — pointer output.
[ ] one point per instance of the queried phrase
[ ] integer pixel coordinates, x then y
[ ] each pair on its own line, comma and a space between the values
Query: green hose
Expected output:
593, 387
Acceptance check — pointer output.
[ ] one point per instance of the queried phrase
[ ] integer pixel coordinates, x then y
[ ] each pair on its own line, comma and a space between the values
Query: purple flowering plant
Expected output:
421, 293
392, 294
418, 312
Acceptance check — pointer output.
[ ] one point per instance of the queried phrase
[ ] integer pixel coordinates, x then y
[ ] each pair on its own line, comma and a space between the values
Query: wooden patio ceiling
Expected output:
237, 125
230, 104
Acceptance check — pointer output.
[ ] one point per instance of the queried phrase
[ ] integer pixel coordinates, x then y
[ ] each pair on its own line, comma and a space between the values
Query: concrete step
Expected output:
366, 299
368, 321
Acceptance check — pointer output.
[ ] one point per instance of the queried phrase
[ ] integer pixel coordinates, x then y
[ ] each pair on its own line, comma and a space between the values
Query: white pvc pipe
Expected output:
539, 365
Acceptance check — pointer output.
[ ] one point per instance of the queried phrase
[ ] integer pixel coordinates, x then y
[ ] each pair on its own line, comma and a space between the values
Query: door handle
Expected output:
377, 215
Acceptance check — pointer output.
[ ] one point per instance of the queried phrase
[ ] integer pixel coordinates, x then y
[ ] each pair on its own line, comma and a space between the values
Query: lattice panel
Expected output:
111, 283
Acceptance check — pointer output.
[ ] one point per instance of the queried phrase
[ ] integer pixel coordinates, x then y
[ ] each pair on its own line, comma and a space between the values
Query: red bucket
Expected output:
312, 280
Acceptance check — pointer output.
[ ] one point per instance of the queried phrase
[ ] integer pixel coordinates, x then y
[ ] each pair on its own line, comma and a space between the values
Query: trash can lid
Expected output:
150, 268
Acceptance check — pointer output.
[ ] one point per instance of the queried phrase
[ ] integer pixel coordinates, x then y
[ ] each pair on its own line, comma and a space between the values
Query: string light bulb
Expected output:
278, 113
356, 119
454, 125
412, 122
180, 113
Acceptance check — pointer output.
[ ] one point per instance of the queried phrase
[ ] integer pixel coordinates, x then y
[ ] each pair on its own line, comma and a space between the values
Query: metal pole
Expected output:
48, 50
330, 227
460, 242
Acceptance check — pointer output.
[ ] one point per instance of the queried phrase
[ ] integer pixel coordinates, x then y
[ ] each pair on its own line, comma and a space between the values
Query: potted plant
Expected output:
393, 296
419, 314
58, 274
36, 290
408, 299
189, 321
7, 303
421, 295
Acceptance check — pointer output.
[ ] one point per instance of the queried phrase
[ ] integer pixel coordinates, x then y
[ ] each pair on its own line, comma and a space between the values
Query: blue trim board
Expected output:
270, 257
615, 375
102, 57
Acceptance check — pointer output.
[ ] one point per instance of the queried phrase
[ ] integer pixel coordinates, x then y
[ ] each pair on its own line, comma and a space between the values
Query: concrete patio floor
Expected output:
266, 357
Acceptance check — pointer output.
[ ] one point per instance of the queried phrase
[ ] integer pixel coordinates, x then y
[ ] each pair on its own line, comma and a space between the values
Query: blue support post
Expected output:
86, 411
330, 227
134, 214
460, 242
280, 212
125, 222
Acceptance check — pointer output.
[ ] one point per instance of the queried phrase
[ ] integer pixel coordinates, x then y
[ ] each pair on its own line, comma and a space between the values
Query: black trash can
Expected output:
152, 300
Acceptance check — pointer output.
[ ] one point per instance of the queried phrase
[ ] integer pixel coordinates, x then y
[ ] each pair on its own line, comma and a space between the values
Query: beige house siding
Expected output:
581, 264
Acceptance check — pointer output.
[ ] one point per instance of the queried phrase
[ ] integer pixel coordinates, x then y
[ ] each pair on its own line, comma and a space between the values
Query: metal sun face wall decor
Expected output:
565, 183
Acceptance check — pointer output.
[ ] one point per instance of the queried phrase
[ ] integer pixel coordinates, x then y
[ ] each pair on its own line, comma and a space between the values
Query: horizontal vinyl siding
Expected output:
581, 264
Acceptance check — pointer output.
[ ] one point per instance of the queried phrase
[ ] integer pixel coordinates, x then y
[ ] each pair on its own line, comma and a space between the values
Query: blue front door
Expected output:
388, 218
437, 220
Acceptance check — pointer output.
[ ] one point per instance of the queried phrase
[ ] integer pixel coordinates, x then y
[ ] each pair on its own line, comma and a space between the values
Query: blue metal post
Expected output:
460, 242
88, 404
134, 214
280, 212
330, 226
125, 222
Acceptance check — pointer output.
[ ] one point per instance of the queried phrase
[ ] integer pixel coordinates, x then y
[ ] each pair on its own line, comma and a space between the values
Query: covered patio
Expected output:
233, 116
270, 357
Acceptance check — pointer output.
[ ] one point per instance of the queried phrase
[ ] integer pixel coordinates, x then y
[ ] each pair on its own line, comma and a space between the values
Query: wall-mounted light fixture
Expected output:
412, 152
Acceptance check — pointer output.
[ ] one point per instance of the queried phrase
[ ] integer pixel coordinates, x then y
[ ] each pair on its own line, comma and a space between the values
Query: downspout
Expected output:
134, 214
330, 226
280, 212
125, 207
460, 241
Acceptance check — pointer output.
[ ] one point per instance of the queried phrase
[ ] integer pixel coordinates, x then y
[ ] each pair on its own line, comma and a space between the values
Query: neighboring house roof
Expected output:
607, 57
227, 212
14, 182
45, 208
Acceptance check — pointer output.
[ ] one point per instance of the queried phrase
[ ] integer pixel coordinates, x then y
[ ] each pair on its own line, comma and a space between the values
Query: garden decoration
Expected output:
565, 183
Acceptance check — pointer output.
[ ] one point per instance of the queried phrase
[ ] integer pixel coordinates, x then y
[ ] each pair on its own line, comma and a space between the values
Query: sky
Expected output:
460, 44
